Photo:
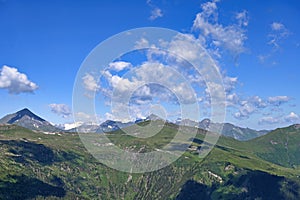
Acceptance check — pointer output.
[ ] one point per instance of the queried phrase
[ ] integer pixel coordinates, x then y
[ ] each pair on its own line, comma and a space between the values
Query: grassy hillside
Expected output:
35, 165
281, 146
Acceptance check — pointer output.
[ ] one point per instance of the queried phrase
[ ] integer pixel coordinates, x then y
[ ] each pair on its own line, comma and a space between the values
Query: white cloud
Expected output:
142, 43
292, 118
249, 106
232, 99
119, 65
277, 34
209, 9
151, 82
150, 72
243, 18
231, 37
90, 83
229, 83
258, 102
278, 100
245, 110
121, 84
61, 110
15, 82
255, 104
269, 120
215, 90
156, 13
186, 46
147, 74
276, 26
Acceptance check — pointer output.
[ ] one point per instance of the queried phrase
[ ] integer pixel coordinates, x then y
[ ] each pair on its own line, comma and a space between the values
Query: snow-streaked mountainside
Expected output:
69, 126
84, 128
110, 125
27, 119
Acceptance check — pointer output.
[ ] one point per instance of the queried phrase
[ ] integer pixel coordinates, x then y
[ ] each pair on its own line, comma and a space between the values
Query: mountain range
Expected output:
228, 129
233, 131
28, 119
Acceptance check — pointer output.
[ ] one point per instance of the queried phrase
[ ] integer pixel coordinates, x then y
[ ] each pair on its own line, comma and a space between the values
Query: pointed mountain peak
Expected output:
24, 110
205, 123
206, 120
28, 119
23, 113
154, 117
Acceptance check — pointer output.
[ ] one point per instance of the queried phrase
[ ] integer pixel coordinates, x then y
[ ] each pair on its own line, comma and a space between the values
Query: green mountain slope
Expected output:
281, 146
34, 165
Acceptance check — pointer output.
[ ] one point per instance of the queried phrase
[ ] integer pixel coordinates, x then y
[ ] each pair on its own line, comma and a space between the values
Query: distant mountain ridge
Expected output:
111, 125
228, 129
28, 119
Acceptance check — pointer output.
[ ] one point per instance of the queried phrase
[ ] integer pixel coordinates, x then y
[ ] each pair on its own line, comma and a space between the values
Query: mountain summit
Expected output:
28, 119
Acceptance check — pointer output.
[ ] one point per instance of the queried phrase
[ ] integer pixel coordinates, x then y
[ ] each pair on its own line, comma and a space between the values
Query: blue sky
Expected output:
254, 43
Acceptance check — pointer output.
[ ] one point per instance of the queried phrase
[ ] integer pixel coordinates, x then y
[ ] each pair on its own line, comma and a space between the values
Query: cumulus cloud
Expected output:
249, 106
119, 65
15, 82
62, 110
292, 118
269, 120
229, 83
90, 83
148, 81
231, 37
216, 91
186, 46
164, 75
142, 43
121, 84
255, 104
258, 102
232, 99
245, 110
278, 100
